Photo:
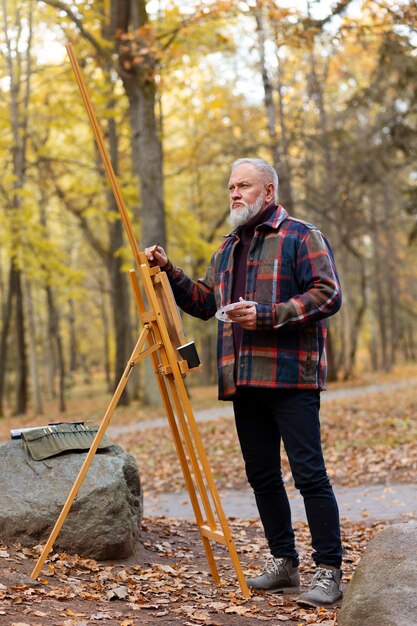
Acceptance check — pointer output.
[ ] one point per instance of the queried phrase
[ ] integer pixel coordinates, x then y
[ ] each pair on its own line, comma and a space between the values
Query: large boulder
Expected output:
382, 591
103, 522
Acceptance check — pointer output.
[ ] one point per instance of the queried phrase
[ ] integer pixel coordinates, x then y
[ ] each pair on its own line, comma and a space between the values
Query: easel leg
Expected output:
188, 426
189, 432
167, 402
97, 439
185, 469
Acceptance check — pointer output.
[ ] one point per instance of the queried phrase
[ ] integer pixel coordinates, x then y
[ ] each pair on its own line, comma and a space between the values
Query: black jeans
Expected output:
264, 417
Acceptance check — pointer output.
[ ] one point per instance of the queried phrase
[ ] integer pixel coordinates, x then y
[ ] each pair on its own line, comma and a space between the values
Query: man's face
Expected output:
248, 194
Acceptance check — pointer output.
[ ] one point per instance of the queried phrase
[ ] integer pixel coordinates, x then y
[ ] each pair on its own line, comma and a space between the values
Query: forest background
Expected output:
326, 92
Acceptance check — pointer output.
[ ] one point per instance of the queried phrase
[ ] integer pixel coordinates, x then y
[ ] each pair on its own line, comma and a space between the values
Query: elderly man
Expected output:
280, 273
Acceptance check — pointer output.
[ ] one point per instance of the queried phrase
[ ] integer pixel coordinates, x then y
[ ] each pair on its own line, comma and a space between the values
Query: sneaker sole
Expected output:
285, 590
311, 603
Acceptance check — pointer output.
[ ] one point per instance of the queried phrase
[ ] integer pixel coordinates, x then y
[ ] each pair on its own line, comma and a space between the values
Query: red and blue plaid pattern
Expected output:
292, 276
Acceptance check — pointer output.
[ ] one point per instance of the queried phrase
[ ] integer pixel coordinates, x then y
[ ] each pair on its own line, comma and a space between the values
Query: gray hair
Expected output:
268, 173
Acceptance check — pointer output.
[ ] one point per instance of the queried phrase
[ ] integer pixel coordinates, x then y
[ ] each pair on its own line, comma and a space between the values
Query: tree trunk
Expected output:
326, 194
14, 294
73, 360
120, 293
147, 159
208, 358
54, 332
331, 362
7, 316
19, 66
280, 164
356, 327
106, 339
373, 342
49, 359
409, 343
33, 353
286, 173
379, 290
316, 93
130, 25
21, 365
391, 273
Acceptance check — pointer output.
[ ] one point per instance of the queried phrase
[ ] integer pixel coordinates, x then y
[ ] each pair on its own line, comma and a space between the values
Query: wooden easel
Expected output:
161, 335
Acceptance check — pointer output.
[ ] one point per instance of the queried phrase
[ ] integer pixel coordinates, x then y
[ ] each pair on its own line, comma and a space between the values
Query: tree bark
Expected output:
19, 67
331, 362
54, 331
7, 316
73, 356
280, 163
379, 291
138, 79
106, 339
120, 294
286, 173
21, 364
390, 274
131, 31
33, 352
327, 200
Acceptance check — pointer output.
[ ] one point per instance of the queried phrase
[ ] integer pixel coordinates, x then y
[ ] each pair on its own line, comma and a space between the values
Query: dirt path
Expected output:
225, 409
368, 503
365, 503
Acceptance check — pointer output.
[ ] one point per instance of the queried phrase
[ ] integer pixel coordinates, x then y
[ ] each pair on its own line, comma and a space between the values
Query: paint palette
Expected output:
221, 314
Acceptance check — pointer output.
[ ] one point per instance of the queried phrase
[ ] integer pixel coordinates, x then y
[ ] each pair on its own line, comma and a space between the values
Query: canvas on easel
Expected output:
161, 339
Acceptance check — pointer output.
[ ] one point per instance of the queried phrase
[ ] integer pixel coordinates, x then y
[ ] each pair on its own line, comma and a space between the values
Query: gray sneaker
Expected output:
278, 576
324, 589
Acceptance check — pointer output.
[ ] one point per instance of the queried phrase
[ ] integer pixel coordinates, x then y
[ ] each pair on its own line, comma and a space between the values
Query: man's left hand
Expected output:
243, 314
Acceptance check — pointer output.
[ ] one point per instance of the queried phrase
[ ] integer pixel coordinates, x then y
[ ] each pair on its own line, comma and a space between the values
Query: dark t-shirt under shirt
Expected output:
246, 234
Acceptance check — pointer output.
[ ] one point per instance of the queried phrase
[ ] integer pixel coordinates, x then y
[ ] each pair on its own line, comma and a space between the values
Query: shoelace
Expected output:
273, 565
322, 578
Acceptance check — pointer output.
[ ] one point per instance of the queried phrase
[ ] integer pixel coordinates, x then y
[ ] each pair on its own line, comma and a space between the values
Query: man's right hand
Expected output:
156, 255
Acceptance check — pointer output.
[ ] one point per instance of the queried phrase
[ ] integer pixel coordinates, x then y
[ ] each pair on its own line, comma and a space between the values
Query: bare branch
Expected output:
78, 22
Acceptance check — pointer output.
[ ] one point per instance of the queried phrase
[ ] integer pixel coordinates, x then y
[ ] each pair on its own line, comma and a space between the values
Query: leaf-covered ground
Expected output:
367, 439
165, 583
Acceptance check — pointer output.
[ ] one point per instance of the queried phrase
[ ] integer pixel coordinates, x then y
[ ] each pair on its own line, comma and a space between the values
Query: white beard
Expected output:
241, 216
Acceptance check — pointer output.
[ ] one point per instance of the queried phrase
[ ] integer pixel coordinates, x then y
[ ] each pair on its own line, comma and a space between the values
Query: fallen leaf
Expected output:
217, 606
200, 616
239, 610
168, 569
72, 613
118, 593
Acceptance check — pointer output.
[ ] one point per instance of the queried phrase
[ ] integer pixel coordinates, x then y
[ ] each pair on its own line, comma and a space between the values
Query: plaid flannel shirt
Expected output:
292, 276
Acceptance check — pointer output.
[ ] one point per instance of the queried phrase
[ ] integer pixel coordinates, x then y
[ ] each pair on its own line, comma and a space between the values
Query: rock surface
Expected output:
103, 522
382, 591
